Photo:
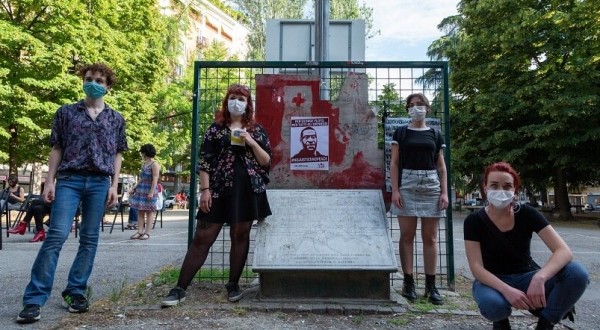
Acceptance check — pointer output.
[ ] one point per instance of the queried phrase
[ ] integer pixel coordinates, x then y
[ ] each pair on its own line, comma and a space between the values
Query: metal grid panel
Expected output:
213, 78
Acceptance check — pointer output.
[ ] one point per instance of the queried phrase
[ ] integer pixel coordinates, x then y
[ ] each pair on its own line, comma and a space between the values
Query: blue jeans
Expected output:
71, 189
562, 292
133, 216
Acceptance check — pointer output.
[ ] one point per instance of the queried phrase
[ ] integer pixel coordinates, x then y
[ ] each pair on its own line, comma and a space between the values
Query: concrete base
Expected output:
294, 284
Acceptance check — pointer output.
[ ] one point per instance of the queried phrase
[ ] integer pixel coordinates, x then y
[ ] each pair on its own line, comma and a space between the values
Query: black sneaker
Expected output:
501, 325
29, 314
433, 295
76, 303
233, 292
176, 296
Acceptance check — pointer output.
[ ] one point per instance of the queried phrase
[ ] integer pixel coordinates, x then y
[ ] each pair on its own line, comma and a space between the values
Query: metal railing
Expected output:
388, 84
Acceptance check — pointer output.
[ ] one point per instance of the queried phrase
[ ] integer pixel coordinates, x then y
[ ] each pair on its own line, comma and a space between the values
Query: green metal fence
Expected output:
211, 80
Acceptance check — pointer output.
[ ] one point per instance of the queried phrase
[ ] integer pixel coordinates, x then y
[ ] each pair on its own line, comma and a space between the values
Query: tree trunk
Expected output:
36, 182
561, 196
544, 196
12, 150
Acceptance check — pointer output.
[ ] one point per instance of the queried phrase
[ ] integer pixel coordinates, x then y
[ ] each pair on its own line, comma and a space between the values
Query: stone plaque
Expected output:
325, 230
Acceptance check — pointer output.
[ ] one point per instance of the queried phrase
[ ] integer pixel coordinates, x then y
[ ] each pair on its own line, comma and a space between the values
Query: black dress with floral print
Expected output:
217, 158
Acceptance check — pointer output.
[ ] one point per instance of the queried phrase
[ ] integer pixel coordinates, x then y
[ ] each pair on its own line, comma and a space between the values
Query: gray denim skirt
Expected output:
420, 191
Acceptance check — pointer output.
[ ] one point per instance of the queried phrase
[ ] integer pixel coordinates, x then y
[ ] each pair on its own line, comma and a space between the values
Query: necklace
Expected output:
94, 110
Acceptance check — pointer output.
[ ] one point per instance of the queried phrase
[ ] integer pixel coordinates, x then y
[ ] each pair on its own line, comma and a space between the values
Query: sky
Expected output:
407, 28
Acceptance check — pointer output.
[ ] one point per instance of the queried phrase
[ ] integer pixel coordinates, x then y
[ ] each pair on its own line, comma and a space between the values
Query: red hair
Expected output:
224, 117
502, 167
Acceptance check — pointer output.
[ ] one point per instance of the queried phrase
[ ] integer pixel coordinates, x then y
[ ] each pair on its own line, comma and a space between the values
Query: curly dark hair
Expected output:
104, 70
148, 150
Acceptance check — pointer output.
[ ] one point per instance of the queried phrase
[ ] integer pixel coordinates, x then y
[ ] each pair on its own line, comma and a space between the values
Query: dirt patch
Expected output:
138, 307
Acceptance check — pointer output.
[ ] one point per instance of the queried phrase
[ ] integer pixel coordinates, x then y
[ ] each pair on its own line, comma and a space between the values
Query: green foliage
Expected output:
358, 319
352, 10
167, 275
117, 292
389, 104
173, 100
399, 321
41, 45
524, 76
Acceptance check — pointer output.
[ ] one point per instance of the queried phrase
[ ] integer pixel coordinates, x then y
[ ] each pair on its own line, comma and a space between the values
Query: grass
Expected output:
358, 319
239, 311
167, 275
117, 292
89, 293
423, 305
399, 321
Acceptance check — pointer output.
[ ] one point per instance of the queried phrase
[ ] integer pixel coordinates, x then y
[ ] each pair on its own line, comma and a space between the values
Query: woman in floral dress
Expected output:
234, 170
146, 193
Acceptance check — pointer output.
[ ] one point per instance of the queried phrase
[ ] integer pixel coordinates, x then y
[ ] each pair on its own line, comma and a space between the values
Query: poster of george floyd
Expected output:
309, 143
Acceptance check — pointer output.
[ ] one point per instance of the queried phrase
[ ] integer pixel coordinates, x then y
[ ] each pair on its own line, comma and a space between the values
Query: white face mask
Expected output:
236, 107
417, 112
500, 198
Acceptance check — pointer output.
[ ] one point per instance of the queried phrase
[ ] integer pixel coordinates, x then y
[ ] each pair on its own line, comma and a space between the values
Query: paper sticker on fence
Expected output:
309, 139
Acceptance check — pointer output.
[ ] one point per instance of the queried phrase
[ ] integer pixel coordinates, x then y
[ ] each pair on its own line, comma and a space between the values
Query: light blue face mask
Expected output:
94, 89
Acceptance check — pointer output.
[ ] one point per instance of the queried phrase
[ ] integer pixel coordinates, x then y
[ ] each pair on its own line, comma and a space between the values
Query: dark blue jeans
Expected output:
562, 292
133, 216
70, 190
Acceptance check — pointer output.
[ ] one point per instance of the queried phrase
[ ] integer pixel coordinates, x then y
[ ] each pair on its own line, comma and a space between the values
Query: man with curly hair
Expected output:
87, 139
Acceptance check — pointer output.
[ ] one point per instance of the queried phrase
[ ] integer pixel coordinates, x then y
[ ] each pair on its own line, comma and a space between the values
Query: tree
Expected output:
42, 44
256, 13
525, 82
174, 105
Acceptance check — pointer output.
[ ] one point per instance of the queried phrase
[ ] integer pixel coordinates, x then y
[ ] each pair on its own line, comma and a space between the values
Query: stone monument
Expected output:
325, 244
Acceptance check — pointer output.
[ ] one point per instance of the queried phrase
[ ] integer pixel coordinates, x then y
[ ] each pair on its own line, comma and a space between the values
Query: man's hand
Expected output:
48, 193
112, 197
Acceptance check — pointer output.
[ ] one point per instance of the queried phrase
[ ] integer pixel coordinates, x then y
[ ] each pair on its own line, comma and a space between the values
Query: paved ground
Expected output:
123, 261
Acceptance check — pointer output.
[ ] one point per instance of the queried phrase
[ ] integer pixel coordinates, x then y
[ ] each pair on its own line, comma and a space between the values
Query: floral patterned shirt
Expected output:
88, 145
217, 158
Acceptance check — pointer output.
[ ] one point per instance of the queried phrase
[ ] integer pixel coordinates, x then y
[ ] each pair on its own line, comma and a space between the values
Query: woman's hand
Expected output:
247, 137
397, 199
150, 195
537, 293
205, 201
517, 298
443, 201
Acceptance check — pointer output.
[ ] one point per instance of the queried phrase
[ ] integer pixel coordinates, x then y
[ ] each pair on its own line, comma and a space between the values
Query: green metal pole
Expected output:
449, 226
194, 158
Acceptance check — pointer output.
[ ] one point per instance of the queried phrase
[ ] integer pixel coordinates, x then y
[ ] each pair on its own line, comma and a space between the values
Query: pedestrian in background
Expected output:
37, 210
13, 196
146, 192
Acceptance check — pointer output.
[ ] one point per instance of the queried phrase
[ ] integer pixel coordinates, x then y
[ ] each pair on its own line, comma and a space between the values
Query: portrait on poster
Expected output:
309, 143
